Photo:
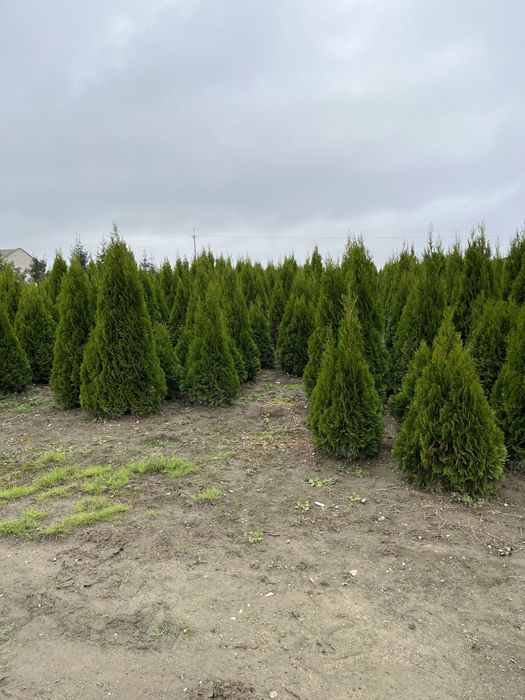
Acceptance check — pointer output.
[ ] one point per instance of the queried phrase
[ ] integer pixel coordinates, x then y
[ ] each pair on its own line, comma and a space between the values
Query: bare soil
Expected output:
404, 595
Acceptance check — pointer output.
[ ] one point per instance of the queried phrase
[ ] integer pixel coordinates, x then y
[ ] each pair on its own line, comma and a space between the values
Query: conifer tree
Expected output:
76, 317
210, 376
35, 329
361, 278
400, 403
260, 330
177, 317
53, 281
345, 408
517, 291
508, 394
168, 361
121, 372
513, 262
422, 314
328, 315
15, 370
488, 340
453, 273
277, 307
296, 327
449, 436
167, 282
11, 283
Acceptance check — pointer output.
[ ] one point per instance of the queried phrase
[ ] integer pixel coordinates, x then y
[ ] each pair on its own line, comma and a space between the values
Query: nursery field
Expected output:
212, 553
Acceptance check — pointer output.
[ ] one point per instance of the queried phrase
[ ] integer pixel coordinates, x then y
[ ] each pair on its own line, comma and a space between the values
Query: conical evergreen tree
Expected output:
449, 436
294, 333
517, 291
210, 377
121, 372
76, 317
180, 306
400, 403
35, 329
345, 409
488, 340
508, 395
53, 281
168, 361
260, 330
513, 262
328, 315
277, 307
15, 370
360, 275
11, 283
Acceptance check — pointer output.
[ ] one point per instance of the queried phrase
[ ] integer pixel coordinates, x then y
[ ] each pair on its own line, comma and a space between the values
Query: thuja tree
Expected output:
179, 307
76, 316
35, 329
345, 408
53, 281
328, 315
488, 339
11, 283
395, 281
400, 403
422, 314
168, 361
296, 327
508, 395
513, 262
277, 307
210, 377
450, 437
15, 370
361, 278
121, 372
260, 330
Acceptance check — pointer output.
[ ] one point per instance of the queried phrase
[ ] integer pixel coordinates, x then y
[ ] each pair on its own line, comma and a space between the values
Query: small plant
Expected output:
254, 537
354, 496
303, 506
50, 457
25, 524
350, 471
211, 494
317, 481
163, 629
468, 500
55, 492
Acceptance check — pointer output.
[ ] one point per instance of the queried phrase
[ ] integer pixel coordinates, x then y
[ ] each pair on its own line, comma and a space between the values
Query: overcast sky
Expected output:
268, 125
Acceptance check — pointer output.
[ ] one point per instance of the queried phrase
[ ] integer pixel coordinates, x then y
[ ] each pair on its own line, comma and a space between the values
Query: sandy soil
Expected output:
403, 595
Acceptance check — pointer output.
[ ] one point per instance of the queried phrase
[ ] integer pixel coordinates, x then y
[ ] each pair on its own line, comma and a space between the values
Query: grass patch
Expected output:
171, 466
26, 523
55, 477
228, 454
84, 514
11, 493
211, 494
254, 537
55, 492
50, 457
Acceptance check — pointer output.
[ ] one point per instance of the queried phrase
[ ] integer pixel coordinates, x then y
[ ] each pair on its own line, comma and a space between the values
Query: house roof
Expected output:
9, 251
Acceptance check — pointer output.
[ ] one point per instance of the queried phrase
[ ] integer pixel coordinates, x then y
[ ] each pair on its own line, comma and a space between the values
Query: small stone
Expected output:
353, 572
411, 626
269, 595
274, 694
381, 517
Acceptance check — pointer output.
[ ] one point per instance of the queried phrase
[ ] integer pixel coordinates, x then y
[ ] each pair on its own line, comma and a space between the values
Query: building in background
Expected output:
18, 258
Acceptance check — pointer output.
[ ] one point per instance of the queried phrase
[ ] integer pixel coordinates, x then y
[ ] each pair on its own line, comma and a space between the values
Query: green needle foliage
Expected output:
15, 370
296, 327
35, 329
449, 436
121, 372
345, 410
168, 361
400, 403
76, 315
260, 330
488, 340
210, 377
508, 395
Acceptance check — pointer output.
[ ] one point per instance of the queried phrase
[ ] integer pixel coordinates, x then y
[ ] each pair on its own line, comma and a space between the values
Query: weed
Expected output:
354, 496
50, 457
254, 537
316, 481
303, 505
171, 466
211, 494
11, 493
55, 477
25, 524
350, 471
228, 454
468, 500
165, 627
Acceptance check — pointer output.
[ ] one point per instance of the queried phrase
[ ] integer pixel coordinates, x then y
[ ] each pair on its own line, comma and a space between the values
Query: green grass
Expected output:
55, 477
173, 467
211, 494
55, 492
25, 524
85, 514
11, 493
50, 457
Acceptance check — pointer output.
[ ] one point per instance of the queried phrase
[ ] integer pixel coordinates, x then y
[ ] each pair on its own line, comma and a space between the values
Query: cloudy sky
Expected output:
268, 125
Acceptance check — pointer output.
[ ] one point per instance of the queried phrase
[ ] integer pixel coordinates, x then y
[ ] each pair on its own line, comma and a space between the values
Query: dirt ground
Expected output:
370, 590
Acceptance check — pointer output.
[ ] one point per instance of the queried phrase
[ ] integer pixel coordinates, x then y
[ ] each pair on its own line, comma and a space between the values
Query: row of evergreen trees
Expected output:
441, 338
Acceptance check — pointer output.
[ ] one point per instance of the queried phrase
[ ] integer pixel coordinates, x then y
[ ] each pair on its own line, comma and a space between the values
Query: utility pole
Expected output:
194, 245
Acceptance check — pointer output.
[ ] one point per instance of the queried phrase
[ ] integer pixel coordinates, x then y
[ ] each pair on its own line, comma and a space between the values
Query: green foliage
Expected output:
449, 436
168, 361
400, 403
345, 409
37, 271
260, 330
296, 327
76, 316
513, 263
15, 370
121, 372
508, 395
11, 283
277, 306
360, 275
53, 281
328, 315
210, 376
422, 314
35, 329
488, 340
